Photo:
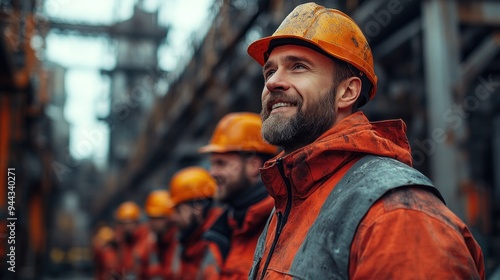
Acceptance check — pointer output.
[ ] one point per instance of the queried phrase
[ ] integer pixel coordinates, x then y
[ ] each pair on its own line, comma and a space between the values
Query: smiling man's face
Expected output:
298, 99
231, 174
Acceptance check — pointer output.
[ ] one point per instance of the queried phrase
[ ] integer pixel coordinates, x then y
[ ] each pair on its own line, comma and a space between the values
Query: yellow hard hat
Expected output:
192, 183
239, 132
128, 211
159, 204
328, 30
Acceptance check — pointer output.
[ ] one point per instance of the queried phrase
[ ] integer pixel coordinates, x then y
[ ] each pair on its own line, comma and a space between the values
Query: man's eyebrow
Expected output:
289, 59
267, 65
296, 58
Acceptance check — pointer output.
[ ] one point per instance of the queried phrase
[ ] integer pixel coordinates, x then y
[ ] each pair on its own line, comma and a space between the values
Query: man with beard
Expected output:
162, 241
192, 190
348, 204
237, 152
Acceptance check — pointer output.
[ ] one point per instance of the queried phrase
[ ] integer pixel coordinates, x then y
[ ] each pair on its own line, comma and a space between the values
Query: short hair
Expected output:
345, 70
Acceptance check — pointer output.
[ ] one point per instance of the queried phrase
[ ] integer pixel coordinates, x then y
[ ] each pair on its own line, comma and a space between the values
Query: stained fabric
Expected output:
301, 181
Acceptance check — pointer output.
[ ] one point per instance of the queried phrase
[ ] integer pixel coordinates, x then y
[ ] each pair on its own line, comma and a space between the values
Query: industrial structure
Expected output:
437, 68
437, 64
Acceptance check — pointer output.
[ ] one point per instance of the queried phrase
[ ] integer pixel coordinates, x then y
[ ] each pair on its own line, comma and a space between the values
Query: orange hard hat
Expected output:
128, 211
192, 183
159, 204
238, 132
328, 30
105, 235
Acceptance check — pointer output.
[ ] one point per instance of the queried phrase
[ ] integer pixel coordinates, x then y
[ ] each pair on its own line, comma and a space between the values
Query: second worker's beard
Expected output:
234, 188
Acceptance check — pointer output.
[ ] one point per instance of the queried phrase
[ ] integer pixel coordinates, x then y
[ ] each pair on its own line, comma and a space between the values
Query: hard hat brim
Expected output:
212, 149
259, 49
221, 149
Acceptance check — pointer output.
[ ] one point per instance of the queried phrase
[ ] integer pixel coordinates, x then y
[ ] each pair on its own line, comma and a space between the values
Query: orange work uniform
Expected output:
109, 262
104, 258
406, 234
234, 235
193, 248
128, 252
159, 253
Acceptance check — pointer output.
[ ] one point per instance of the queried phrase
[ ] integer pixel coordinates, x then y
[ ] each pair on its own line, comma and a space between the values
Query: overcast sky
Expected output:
84, 57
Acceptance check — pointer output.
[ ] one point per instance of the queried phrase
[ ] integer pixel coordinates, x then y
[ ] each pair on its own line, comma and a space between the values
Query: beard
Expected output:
232, 189
301, 129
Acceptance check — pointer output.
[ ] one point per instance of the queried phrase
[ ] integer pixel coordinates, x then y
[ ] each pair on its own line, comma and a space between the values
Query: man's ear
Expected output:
348, 92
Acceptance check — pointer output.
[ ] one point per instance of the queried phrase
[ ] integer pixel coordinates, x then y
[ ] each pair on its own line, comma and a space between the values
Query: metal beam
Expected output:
397, 39
441, 61
479, 13
83, 29
7, 69
379, 18
477, 61
363, 12
496, 158
106, 30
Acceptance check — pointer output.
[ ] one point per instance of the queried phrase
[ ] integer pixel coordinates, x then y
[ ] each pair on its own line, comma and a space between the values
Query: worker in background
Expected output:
101, 247
236, 153
192, 190
348, 203
131, 238
162, 240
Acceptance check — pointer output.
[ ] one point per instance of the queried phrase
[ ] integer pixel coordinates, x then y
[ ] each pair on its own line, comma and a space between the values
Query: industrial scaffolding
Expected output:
438, 67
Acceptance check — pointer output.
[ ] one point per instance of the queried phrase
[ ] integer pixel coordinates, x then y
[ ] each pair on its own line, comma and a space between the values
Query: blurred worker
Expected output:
131, 239
348, 204
161, 245
192, 190
101, 246
237, 152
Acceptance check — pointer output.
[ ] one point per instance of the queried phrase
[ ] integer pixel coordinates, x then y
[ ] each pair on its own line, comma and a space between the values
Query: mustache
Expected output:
279, 96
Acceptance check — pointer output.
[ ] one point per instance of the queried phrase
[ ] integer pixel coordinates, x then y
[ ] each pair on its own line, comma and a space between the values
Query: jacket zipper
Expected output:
282, 217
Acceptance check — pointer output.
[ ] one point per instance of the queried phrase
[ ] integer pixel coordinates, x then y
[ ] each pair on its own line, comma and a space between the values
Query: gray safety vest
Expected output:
334, 229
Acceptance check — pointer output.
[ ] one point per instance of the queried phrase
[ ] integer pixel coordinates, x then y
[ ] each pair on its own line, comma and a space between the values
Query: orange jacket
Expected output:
407, 234
109, 268
128, 254
158, 256
104, 259
194, 248
232, 259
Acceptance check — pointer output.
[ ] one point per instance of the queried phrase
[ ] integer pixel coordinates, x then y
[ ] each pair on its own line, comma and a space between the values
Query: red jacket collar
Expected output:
255, 218
352, 137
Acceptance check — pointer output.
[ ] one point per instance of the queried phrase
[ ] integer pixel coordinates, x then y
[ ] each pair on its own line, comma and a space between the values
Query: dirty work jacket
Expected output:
234, 235
109, 263
99, 251
407, 234
158, 255
128, 253
193, 249
106, 260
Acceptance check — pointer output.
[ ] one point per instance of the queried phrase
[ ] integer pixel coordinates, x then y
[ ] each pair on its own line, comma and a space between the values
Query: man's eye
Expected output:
268, 74
299, 66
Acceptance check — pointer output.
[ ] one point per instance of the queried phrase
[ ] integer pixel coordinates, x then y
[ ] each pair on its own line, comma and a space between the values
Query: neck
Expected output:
248, 197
